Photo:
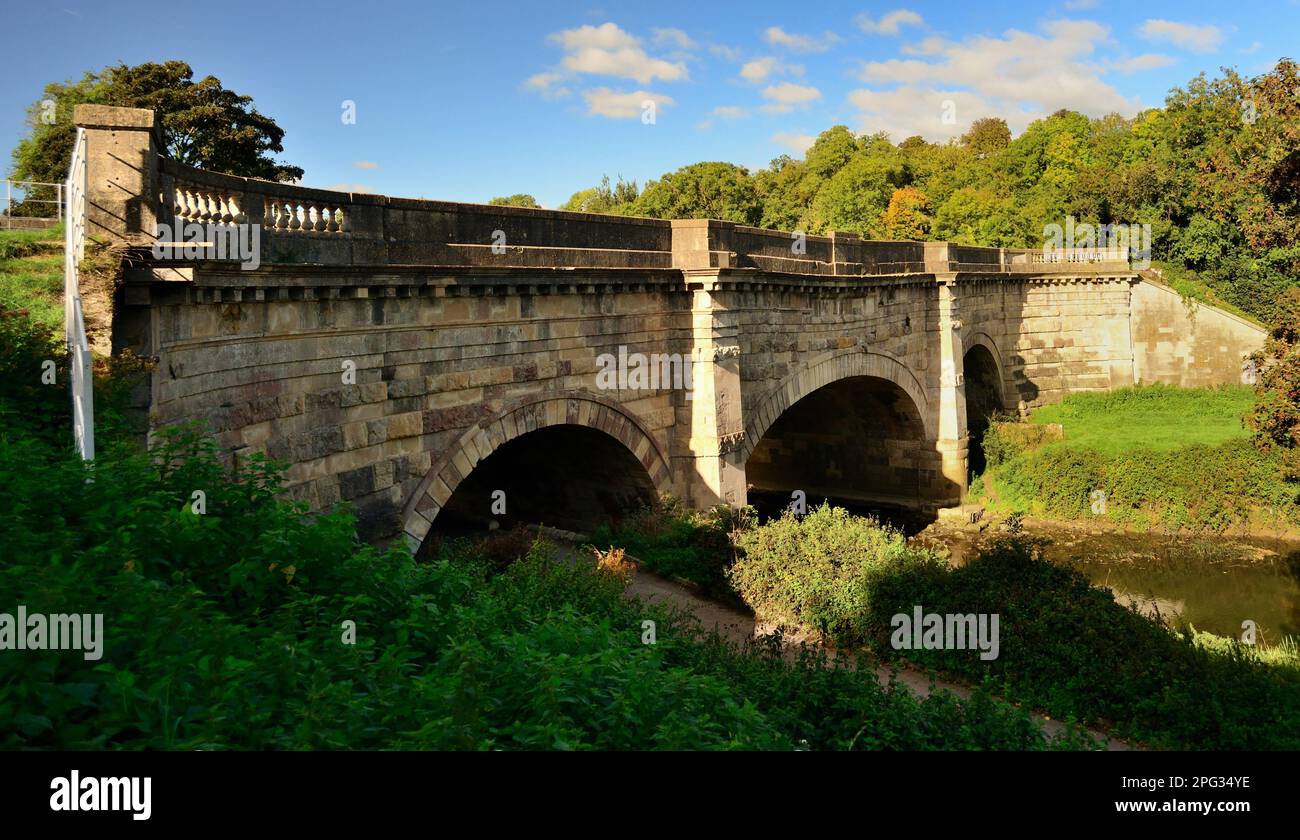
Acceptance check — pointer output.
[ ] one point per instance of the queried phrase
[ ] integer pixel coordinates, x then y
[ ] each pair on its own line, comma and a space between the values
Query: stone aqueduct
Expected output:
851, 369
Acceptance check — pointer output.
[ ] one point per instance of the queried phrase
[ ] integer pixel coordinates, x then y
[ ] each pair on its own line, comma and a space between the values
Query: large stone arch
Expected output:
578, 408
842, 364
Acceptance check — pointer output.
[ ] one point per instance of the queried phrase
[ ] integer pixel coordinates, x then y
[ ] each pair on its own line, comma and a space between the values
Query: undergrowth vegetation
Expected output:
676, 542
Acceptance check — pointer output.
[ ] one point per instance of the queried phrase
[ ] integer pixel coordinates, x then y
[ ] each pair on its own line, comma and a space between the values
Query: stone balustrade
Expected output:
302, 225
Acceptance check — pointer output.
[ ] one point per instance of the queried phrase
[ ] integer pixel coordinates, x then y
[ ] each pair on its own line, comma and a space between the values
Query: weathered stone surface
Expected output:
459, 351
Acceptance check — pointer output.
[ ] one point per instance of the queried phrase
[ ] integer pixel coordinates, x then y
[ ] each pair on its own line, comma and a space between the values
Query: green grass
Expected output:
1156, 417
31, 274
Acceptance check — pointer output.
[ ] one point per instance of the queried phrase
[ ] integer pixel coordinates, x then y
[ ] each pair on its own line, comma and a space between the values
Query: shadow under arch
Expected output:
831, 368
985, 391
562, 450
852, 428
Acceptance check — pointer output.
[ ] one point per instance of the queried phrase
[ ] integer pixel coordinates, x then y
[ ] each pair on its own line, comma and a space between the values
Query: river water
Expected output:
1213, 583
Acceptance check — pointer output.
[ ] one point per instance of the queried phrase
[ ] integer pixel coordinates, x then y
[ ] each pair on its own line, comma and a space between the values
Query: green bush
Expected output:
816, 571
1210, 488
226, 630
673, 541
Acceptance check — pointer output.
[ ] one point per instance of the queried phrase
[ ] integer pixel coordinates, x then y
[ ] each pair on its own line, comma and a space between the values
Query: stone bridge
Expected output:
426, 360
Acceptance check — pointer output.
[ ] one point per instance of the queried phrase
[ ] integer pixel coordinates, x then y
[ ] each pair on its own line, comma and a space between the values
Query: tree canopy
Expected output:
203, 123
516, 200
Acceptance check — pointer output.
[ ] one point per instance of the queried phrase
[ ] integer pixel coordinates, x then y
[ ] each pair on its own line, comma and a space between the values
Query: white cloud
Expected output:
1189, 36
799, 143
730, 112
778, 37
672, 37
1019, 76
547, 84
724, 51
621, 105
607, 50
1146, 61
1077, 5
364, 164
758, 70
891, 23
787, 95
926, 46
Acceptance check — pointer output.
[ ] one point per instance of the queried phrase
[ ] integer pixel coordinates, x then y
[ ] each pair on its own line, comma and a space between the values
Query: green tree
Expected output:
710, 190
987, 135
516, 200
855, 198
1275, 418
617, 199
203, 123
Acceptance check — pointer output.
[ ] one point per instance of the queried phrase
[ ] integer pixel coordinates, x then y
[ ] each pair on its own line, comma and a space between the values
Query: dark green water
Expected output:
1212, 584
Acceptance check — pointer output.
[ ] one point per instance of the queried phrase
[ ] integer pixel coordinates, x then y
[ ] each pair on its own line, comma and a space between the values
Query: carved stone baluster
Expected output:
294, 222
332, 219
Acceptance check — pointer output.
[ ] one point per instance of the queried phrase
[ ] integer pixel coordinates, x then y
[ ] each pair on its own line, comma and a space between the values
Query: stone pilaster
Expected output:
953, 442
707, 475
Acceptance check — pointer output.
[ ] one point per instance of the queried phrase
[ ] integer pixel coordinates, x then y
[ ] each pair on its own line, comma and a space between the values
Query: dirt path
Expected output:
739, 626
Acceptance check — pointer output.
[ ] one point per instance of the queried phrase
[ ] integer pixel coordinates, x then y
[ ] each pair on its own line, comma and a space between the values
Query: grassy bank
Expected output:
31, 274
1147, 457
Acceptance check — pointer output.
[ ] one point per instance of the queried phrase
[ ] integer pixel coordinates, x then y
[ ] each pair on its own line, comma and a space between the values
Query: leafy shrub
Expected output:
505, 547
1174, 458
27, 402
815, 571
672, 541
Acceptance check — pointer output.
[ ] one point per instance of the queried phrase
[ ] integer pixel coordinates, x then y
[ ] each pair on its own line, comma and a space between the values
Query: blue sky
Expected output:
464, 101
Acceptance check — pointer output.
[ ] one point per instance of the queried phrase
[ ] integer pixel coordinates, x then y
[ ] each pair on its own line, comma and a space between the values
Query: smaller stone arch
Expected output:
841, 364
979, 338
577, 408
